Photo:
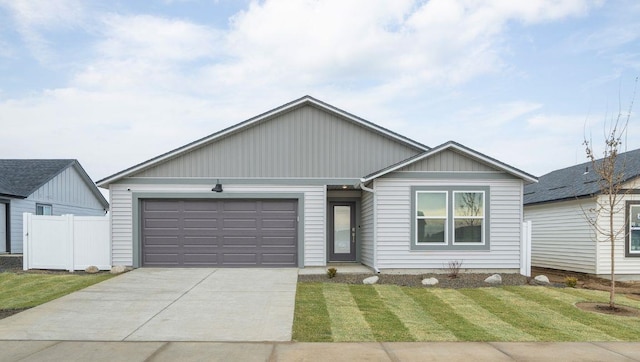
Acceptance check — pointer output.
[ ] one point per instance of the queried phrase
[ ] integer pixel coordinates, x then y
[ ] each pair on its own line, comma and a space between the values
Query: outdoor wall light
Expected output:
217, 187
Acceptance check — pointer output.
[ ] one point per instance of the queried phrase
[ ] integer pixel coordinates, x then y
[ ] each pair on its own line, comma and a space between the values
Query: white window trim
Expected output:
43, 206
483, 218
446, 218
632, 228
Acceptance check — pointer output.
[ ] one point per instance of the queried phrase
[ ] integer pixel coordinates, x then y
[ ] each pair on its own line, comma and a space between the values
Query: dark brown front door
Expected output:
342, 231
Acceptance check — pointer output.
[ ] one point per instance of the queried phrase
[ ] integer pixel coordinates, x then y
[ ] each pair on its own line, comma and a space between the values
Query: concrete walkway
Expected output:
208, 351
149, 304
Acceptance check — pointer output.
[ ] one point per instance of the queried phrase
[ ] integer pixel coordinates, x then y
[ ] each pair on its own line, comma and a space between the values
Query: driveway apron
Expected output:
152, 304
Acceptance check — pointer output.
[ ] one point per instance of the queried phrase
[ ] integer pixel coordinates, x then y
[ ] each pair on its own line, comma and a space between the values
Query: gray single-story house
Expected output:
307, 184
563, 239
43, 187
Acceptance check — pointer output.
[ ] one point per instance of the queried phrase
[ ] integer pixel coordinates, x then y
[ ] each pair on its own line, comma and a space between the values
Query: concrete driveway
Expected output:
167, 305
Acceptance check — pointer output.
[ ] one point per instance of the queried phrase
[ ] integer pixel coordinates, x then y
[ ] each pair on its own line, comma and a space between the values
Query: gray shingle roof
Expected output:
21, 178
578, 181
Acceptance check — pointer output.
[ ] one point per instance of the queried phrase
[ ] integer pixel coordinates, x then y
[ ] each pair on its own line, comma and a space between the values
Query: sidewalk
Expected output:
291, 351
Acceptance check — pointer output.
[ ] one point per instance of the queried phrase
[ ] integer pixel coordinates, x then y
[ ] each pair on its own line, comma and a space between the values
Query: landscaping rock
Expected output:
494, 279
429, 282
371, 280
118, 269
91, 269
541, 280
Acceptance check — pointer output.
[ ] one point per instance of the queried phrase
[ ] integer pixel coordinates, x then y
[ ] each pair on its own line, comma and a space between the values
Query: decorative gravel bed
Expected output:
466, 280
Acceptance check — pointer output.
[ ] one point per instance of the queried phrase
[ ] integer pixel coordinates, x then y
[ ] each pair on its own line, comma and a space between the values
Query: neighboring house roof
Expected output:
579, 180
306, 100
451, 145
21, 177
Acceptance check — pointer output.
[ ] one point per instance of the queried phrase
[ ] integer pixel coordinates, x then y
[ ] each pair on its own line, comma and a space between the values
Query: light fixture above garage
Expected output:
217, 187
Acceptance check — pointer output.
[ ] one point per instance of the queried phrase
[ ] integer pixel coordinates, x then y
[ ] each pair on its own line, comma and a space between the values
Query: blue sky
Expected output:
116, 83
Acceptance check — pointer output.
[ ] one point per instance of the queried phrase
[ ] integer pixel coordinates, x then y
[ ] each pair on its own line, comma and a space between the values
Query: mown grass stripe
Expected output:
311, 322
347, 322
623, 328
601, 296
481, 317
446, 316
421, 326
385, 326
576, 331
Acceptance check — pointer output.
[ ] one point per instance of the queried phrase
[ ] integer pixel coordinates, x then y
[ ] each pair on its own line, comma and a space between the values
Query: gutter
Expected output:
375, 228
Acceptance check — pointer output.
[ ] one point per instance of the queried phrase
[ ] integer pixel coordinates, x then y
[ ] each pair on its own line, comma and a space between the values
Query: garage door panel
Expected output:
227, 233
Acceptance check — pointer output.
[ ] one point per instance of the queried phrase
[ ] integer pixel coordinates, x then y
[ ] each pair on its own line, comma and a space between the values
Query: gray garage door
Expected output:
224, 233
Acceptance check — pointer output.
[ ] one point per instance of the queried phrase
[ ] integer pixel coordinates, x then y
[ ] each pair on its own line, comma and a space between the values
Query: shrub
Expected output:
331, 272
453, 268
571, 282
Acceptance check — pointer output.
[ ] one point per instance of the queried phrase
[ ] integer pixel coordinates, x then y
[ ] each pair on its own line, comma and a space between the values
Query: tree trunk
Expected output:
612, 238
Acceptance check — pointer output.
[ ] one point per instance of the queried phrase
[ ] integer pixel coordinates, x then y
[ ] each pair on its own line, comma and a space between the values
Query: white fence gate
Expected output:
66, 242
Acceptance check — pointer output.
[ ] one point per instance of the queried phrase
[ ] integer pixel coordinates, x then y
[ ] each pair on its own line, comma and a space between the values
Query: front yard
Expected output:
328, 312
25, 290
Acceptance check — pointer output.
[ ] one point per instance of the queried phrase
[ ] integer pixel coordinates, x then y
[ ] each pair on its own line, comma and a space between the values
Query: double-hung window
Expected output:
450, 218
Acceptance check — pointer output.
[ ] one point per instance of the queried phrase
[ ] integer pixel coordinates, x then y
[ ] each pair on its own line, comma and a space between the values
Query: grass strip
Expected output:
623, 328
575, 331
311, 322
446, 316
385, 326
29, 290
475, 313
601, 296
421, 326
347, 322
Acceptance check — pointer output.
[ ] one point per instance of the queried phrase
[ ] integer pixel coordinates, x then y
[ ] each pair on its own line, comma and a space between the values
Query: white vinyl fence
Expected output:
525, 249
66, 242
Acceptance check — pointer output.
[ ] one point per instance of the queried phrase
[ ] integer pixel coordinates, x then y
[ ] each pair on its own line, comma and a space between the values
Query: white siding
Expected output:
367, 228
623, 265
393, 217
122, 215
561, 237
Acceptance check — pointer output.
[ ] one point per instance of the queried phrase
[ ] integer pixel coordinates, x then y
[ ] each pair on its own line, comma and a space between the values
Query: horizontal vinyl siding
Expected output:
18, 207
393, 217
305, 142
366, 252
623, 264
122, 223
561, 238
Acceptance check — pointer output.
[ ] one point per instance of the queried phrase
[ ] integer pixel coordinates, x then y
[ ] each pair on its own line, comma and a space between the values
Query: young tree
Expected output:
610, 170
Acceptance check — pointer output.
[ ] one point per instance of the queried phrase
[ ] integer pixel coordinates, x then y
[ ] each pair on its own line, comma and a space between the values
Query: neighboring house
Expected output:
561, 236
43, 187
307, 184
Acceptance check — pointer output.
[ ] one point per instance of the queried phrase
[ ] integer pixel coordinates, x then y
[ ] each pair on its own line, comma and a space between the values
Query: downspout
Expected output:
375, 228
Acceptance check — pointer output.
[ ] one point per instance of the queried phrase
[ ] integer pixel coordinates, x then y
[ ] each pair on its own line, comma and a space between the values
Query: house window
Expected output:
44, 209
431, 217
468, 216
450, 218
632, 240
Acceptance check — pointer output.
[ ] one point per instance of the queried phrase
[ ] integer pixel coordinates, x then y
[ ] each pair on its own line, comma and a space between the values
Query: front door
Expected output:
342, 233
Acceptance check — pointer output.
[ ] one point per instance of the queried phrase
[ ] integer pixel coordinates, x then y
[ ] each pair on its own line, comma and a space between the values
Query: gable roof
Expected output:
454, 146
304, 101
21, 177
579, 180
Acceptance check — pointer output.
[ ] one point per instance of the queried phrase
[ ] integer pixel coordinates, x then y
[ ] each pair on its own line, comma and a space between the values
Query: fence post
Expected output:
26, 244
69, 221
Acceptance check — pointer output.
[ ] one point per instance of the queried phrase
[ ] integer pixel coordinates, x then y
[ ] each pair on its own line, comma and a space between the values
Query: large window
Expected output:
44, 209
632, 241
450, 218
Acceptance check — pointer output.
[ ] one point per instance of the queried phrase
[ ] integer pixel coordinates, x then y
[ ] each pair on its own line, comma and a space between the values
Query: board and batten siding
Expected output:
623, 265
305, 142
450, 161
367, 229
67, 193
393, 217
561, 238
122, 215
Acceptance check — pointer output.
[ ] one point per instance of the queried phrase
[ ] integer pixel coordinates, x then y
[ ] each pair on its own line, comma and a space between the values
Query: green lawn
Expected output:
340, 312
28, 290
